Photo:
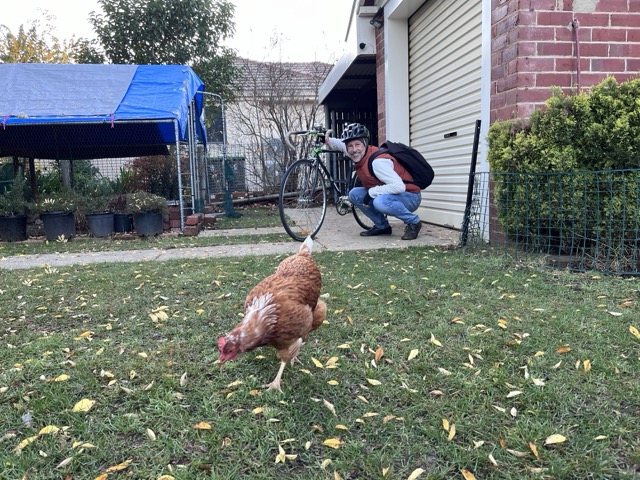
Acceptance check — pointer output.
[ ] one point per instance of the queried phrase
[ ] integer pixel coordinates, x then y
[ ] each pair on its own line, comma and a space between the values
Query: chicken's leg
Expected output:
276, 381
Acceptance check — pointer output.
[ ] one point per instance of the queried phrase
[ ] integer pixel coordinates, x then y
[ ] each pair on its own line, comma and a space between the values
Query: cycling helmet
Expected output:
355, 131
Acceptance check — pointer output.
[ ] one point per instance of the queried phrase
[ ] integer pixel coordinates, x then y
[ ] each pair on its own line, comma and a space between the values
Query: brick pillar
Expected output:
382, 124
536, 44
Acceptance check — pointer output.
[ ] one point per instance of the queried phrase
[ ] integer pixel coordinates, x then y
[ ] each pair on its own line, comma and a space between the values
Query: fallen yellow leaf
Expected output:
121, 466
317, 362
563, 350
83, 405
534, 449
452, 432
61, 378
556, 438
24, 443
83, 445
634, 331
64, 462
330, 406
48, 429
445, 424
333, 442
373, 381
413, 354
468, 475
415, 474
516, 453
203, 426
435, 341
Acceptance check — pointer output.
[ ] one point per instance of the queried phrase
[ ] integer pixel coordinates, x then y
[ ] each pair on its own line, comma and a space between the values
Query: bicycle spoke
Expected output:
303, 199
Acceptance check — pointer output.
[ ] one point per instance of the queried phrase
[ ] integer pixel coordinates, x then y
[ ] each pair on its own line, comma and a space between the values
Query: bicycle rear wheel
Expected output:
362, 220
303, 199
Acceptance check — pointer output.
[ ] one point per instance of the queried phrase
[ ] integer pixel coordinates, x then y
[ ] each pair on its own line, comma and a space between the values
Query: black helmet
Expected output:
355, 131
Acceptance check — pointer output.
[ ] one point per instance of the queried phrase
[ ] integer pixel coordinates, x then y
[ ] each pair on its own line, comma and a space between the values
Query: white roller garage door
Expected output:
445, 55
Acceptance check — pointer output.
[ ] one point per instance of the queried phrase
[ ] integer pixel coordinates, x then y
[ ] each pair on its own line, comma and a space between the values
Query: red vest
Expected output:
368, 180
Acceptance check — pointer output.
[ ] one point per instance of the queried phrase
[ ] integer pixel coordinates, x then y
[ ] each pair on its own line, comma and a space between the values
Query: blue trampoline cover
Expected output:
69, 111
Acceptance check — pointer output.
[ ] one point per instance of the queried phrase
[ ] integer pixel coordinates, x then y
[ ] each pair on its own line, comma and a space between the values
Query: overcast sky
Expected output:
304, 30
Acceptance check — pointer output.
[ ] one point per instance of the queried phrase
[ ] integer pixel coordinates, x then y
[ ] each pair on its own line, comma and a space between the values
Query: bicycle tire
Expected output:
362, 220
303, 199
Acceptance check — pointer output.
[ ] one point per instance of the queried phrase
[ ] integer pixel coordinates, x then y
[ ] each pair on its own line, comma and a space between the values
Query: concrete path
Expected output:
337, 233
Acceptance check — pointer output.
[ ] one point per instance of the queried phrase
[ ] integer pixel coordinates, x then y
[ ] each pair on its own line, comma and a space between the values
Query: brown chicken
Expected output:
280, 311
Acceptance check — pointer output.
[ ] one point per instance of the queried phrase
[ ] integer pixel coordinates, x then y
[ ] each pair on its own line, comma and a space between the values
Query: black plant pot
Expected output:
58, 225
122, 223
148, 224
100, 224
13, 229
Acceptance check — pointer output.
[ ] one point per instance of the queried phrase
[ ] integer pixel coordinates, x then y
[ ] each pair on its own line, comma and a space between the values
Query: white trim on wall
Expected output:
396, 77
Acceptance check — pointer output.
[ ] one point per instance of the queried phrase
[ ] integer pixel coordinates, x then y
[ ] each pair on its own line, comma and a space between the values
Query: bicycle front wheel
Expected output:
303, 199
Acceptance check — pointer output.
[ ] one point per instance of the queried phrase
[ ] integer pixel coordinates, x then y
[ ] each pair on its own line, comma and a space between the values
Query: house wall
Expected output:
536, 45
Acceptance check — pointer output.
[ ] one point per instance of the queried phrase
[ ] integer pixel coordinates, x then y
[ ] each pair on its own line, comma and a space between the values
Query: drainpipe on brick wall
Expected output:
576, 26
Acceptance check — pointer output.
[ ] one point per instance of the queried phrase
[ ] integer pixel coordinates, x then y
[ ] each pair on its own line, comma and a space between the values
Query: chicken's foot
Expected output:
276, 381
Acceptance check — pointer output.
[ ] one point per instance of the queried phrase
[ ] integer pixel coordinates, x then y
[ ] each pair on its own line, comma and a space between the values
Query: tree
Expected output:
182, 32
273, 98
35, 44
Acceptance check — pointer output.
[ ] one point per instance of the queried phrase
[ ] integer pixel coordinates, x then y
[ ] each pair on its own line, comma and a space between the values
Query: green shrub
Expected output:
12, 200
567, 179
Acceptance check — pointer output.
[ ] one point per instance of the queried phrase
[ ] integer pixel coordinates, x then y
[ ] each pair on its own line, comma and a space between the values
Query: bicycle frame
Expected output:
305, 187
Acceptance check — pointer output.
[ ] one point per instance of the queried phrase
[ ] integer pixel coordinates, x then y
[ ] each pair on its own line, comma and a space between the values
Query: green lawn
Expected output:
433, 364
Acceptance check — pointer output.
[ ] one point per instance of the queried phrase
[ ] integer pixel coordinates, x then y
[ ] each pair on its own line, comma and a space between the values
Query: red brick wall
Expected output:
535, 45
382, 124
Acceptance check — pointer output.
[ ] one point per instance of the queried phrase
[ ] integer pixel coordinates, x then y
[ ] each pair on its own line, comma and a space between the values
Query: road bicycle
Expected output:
305, 189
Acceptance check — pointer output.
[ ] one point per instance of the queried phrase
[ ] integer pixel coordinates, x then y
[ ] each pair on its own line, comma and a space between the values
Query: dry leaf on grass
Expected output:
83, 405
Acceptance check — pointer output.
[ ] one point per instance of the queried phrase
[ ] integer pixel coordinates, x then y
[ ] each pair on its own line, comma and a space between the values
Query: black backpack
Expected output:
411, 159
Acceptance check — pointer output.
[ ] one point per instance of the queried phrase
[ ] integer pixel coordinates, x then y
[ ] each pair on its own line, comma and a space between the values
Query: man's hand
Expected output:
367, 199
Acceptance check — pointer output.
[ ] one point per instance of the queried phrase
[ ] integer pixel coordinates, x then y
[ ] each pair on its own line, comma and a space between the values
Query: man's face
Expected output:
356, 150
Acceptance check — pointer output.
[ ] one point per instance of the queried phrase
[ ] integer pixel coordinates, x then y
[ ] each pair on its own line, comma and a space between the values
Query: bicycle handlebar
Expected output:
316, 131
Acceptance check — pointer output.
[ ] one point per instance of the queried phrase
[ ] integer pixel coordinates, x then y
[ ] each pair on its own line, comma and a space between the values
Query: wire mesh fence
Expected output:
578, 220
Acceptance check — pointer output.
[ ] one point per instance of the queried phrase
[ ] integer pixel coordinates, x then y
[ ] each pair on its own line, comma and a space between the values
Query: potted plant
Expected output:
13, 208
122, 219
148, 211
96, 210
57, 212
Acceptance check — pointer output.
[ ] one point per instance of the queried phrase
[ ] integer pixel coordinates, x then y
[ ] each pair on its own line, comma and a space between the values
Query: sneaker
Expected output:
411, 231
376, 231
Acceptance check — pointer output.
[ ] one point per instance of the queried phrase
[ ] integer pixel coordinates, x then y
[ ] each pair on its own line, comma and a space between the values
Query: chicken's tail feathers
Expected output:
307, 246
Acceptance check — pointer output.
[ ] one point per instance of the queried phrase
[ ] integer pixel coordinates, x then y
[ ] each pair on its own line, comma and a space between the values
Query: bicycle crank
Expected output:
344, 205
